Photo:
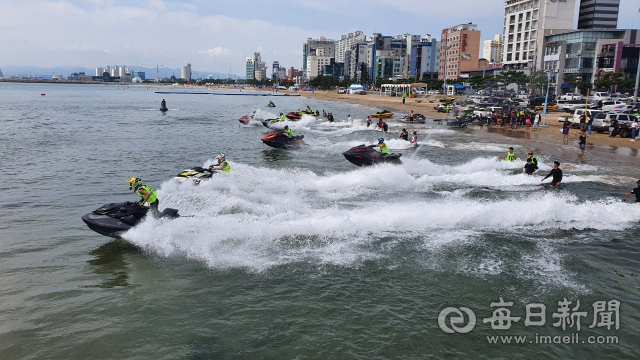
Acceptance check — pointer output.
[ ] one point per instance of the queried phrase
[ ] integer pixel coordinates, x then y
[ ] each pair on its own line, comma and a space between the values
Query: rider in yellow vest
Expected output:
282, 117
510, 155
223, 165
384, 149
146, 193
288, 131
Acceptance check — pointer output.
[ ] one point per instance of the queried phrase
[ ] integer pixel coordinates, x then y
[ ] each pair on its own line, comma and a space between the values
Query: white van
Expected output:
600, 95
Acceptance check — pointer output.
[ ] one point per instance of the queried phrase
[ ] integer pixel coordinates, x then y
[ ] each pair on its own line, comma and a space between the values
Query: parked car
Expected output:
484, 113
572, 96
621, 97
575, 117
626, 109
550, 107
602, 121
608, 105
571, 106
600, 96
342, 90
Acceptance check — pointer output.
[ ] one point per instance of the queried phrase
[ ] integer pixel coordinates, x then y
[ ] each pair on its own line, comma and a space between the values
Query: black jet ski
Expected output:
163, 107
195, 174
417, 118
116, 218
268, 122
281, 141
363, 155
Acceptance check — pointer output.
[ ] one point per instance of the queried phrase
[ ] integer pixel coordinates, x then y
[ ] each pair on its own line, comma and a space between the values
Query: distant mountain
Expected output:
150, 72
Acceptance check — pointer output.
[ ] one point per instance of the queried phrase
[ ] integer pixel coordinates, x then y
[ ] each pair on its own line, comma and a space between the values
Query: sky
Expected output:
217, 35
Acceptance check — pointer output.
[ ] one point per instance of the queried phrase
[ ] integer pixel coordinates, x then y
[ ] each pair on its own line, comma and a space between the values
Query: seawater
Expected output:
296, 254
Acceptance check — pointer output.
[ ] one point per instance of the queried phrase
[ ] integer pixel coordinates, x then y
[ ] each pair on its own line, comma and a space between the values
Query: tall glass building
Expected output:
598, 14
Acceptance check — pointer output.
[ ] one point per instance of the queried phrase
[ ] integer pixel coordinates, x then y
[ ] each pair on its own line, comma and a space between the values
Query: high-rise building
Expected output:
355, 61
459, 50
250, 69
99, 71
598, 14
315, 54
345, 42
526, 22
185, 72
425, 59
492, 49
386, 56
579, 52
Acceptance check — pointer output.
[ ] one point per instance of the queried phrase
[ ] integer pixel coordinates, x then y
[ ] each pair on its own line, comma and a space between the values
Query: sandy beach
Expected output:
425, 106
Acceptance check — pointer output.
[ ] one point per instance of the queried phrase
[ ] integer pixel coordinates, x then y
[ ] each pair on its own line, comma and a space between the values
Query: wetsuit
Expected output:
636, 192
404, 136
530, 168
385, 127
557, 176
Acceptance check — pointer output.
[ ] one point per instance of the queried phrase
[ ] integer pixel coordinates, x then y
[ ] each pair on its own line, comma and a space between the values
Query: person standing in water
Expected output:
511, 156
411, 117
404, 135
556, 173
414, 139
583, 140
369, 121
635, 192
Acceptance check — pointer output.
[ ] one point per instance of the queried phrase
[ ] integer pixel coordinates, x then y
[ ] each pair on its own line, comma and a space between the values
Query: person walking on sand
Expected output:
589, 123
583, 141
634, 129
536, 121
404, 97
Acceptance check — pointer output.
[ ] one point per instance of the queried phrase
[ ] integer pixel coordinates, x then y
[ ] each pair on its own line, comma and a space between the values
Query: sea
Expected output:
299, 254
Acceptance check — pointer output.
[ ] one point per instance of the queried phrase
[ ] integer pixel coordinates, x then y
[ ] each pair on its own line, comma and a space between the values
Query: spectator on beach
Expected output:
613, 126
536, 120
565, 129
589, 123
634, 129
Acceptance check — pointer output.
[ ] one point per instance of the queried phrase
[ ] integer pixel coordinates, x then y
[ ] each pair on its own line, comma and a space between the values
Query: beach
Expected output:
425, 106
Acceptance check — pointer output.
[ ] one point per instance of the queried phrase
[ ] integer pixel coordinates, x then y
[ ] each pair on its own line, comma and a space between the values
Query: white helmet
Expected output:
220, 158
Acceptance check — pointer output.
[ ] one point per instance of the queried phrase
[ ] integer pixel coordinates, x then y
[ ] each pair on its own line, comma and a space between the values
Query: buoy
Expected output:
42, 94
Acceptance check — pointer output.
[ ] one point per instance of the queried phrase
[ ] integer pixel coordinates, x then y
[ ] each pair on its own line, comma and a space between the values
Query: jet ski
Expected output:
271, 105
195, 174
281, 141
363, 155
417, 118
163, 107
245, 120
268, 122
293, 116
116, 218
384, 114
305, 112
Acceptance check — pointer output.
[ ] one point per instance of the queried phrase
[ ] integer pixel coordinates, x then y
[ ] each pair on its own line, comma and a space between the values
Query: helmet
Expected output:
220, 158
134, 182
286, 126
380, 141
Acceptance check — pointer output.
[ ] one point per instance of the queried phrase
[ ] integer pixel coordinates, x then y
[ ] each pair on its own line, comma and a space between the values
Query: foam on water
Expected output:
256, 218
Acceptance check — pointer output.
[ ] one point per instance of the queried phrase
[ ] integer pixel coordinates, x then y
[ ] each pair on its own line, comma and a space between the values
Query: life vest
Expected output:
384, 149
225, 167
282, 118
152, 194
289, 132
511, 157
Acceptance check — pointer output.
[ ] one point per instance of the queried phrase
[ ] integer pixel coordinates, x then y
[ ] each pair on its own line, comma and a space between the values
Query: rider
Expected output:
384, 149
288, 131
223, 165
282, 117
147, 193
510, 155
163, 103
404, 135
309, 109
270, 103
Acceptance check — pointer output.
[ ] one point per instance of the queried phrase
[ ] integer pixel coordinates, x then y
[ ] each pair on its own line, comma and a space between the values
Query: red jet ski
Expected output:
293, 116
245, 120
363, 155
281, 141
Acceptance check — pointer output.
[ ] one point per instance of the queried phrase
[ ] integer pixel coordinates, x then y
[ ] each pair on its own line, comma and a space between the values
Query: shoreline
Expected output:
550, 135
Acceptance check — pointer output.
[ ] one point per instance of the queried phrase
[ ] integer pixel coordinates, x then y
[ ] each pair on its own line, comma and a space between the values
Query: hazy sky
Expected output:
217, 35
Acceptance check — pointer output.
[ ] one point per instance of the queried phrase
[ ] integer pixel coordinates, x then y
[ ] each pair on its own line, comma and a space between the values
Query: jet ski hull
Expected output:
116, 218
195, 174
281, 141
164, 109
363, 155
293, 116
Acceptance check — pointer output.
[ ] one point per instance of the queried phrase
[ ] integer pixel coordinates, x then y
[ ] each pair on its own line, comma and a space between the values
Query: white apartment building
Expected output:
345, 42
316, 60
526, 22
492, 49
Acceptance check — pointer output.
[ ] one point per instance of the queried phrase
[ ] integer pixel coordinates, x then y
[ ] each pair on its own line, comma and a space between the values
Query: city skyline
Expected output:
89, 33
